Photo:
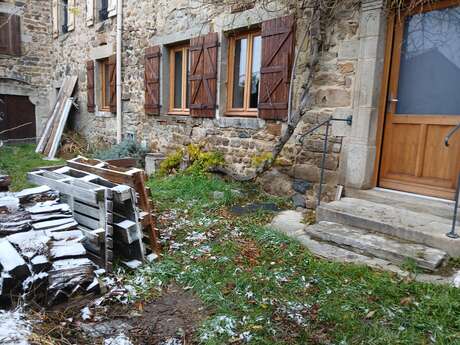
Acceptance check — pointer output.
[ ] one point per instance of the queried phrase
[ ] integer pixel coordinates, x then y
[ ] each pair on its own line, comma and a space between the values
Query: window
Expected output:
64, 16
179, 89
104, 10
10, 34
244, 73
104, 68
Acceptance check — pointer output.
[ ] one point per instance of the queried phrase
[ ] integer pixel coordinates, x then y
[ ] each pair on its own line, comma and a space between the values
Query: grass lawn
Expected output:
18, 160
260, 287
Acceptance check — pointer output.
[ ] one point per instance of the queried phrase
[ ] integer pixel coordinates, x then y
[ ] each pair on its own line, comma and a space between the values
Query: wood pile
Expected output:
41, 251
52, 133
111, 206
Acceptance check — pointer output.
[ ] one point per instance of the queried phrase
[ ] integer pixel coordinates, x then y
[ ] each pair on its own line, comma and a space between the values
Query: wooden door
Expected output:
423, 102
17, 116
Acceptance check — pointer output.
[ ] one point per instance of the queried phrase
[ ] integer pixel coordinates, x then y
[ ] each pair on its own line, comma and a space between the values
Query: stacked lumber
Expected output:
51, 136
41, 252
108, 213
117, 172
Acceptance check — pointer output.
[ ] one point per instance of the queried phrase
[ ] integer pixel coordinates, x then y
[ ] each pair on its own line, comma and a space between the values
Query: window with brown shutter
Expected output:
277, 59
179, 81
243, 73
113, 83
203, 75
10, 34
90, 86
152, 80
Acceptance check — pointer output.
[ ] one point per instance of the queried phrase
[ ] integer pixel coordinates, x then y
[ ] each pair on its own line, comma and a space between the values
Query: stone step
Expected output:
396, 222
413, 202
377, 245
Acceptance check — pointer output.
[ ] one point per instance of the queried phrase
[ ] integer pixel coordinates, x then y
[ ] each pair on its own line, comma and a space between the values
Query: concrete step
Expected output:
377, 245
413, 202
396, 222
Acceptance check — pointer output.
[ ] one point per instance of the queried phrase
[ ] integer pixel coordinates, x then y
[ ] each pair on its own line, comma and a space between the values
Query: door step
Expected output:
412, 202
422, 228
377, 245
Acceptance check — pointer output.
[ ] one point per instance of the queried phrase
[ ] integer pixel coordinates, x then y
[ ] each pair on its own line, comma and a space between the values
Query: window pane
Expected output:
187, 96
106, 101
255, 76
178, 80
430, 64
239, 72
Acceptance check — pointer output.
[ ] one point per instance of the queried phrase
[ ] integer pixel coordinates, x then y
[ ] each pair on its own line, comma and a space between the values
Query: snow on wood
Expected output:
9, 203
68, 226
40, 263
43, 207
12, 262
29, 195
7, 228
51, 223
30, 243
69, 273
67, 250
66, 235
48, 216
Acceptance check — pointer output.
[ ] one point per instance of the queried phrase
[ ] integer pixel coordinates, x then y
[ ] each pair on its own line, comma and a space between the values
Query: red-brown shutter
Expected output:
113, 83
277, 59
203, 75
152, 80
90, 86
10, 34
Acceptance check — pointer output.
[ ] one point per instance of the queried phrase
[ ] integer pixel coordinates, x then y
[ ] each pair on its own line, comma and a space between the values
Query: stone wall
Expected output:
164, 22
30, 73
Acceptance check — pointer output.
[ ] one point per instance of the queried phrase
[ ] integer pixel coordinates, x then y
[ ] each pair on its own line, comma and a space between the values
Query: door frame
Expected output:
384, 91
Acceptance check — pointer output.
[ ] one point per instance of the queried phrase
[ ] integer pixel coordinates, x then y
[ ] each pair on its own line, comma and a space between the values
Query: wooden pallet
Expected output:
101, 212
132, 177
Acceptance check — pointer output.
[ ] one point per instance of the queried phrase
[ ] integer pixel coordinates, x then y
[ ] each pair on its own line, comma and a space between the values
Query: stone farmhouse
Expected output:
220, 72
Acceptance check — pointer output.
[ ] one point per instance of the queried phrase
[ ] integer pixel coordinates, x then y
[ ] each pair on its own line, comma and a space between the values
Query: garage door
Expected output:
17, 118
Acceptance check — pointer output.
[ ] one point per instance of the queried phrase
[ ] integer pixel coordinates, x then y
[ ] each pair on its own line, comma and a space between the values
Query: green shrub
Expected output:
171, 163
126, 149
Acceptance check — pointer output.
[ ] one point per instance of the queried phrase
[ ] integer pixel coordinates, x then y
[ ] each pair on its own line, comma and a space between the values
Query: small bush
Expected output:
126, 149
199, 161
171, 163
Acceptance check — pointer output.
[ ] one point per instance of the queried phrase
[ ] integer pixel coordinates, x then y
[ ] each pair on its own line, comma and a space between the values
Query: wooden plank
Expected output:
65, 92
126, 231
88, 222
60, 128
86, 209
69, 87
52, 223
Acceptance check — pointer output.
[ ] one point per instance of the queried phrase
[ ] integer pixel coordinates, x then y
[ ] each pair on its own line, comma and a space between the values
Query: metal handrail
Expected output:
326, 123
452, 233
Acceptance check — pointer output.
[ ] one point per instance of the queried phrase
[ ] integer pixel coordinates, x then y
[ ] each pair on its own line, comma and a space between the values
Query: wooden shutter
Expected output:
55, 18
113, 83
71, 15
90, 86
277, 59
152, 80
10, 34
89, 12
203, 75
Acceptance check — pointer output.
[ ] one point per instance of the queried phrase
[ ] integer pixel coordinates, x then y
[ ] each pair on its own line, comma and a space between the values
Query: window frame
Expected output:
105, 103
246, 110
185, 49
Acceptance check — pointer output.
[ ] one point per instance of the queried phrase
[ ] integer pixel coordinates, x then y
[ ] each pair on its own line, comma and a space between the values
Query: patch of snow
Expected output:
14, 328
133, 264
172, 341
33, 278
86, 313
456, 280
120, 339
